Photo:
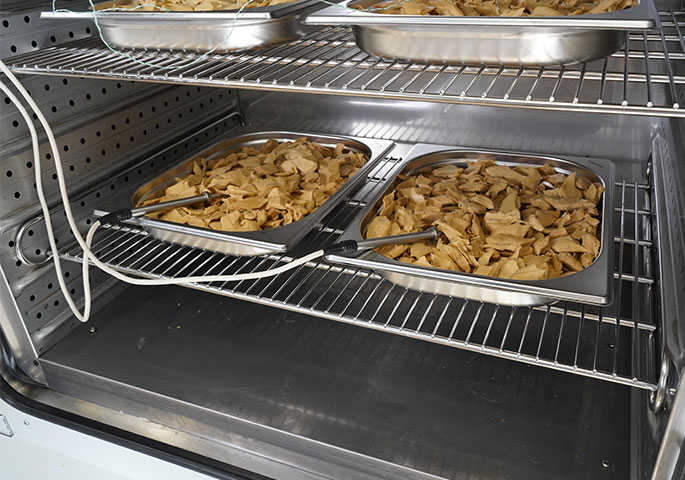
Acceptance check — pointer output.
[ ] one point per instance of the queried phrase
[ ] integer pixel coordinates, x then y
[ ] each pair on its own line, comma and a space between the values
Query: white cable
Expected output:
46, 214
85, 244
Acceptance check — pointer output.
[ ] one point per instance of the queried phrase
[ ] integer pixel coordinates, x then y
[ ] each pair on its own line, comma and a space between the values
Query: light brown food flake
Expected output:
540, 224
275, 185
505, 8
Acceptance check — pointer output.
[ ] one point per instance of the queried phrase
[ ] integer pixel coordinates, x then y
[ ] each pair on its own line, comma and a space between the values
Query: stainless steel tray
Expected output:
592, 285
279, 239
226, 30
489, 40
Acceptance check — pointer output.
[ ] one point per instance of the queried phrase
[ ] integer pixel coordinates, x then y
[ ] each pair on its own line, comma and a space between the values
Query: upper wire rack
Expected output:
644, 78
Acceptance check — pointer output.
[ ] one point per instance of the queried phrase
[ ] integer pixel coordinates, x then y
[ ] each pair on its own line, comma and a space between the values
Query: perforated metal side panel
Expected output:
101, 127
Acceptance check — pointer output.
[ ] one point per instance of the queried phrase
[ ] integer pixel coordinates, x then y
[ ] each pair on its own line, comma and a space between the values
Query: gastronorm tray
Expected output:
221, 31
489, 40
278, 239
592, 285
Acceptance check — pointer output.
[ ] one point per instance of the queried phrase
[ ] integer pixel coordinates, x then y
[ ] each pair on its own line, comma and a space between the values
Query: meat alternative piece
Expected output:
484, 230
262, 188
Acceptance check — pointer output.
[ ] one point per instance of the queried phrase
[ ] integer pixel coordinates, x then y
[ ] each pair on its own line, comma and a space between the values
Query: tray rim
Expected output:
377, 148
643, 16
176, 17
552, 289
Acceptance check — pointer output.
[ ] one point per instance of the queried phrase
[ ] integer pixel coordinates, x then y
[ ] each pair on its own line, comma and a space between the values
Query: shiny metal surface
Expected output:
427, 234
530, 41
642, 79
243, 377
261, 242
220, 31
169, 204
592, 285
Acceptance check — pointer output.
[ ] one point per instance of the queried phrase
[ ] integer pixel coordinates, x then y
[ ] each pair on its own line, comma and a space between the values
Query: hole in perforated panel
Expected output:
5, 23
29, 164
88, 160
32, 298
15, 123
34, 44
13, 48
72, 103
104, 91
71, 34
88, 30
17, 194
83, 141
128, 120
88, 96
65, 81
54, 109
53, 39
9, 173
72, 168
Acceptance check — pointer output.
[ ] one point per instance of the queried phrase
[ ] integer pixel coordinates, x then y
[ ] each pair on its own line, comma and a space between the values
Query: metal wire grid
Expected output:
643, 78
614, 343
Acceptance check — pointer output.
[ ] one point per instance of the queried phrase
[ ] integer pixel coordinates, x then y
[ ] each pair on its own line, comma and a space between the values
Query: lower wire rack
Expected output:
614, 343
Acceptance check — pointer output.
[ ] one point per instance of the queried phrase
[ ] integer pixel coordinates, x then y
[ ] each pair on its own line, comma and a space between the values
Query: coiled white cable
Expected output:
85, 243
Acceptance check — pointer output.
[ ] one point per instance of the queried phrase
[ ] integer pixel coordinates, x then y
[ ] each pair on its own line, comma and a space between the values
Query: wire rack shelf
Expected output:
644, 78
614, 343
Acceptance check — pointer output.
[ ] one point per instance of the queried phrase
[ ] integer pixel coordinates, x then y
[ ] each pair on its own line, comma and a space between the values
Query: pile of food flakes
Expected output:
522, 222
499, 8
196, 5
262, 188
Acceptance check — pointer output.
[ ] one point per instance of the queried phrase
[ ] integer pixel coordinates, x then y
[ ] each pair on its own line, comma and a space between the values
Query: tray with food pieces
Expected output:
268, 190
514, 229
217, 25
495, 32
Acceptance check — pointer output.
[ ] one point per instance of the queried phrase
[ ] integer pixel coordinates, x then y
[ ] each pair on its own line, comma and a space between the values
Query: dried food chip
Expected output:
195, 5
527, 223
495, 8
262, 188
